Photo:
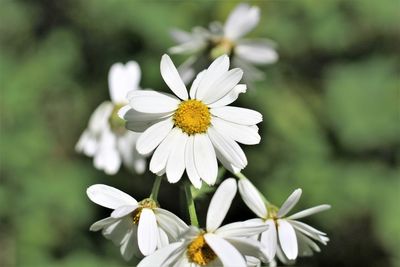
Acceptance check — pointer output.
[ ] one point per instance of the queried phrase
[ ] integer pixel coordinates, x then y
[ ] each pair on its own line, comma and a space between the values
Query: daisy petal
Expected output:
148, 101
170, 223
159, 159
195, 84
248, 247
171, 77
123, 211
290, 202
251, 196
237, 115
230, 97
122, 79
127, 246
160, 256
308, 212
205, 159
240, 133
220, 203
247, 228
147, 232
287, 239
270, 239
102, 223
118, 231
190, 164
241, 20
109, 197
227, 254
176, 159
256, 52
310, 231
153, 136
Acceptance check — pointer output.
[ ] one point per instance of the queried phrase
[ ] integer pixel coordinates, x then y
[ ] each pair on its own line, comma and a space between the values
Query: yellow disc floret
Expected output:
145, 203
200, 252
192, 116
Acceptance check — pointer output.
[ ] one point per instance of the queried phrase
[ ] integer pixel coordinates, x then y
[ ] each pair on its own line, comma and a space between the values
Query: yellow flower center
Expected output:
145, 203
117, 124
200, 252
220, 47
192, 116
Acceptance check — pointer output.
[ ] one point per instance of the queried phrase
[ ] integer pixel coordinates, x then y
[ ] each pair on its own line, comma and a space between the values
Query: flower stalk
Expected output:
190, 205
156, 187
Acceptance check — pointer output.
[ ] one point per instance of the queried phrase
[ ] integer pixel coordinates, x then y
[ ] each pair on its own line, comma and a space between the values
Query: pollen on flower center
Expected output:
272, 212
117, 124
192, 116
200, 252
220, 47
145, 203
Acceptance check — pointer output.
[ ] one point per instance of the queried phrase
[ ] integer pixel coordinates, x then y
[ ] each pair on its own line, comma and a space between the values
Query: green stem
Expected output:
190, 206
156, 187
240, 175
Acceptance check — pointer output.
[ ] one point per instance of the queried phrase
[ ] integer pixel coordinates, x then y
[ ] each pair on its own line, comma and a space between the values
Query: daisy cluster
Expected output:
186, 137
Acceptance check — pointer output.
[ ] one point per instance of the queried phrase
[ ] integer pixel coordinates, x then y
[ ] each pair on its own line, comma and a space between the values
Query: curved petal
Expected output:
119, 231
241, 20
270, 239
109, 197
290, 202
171, 77
122, 79
237, 115
191, 169
176, 159
227, 254
251, 196
107, 157
97, 226
308, 212
256, 52
123, 211
205, 159
247, 228
230, 97
159, 159
153, 136
220, 204
243, 134
170, 223
147, 232
149, 101
160, 256
287, 239
195, 84
248, 247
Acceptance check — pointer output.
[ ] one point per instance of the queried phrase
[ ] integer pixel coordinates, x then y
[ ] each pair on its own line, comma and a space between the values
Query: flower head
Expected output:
138, 227
227, 39
285, 235
190, 131
215, 245
106, 139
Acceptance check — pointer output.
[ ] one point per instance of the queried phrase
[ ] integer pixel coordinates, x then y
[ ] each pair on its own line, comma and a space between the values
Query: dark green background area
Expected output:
331, 120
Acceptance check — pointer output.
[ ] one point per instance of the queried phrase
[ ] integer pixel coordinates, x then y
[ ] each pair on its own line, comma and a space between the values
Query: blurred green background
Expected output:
330, 105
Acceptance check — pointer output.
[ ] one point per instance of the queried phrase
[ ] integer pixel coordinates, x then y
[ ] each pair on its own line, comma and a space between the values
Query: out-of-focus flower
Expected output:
285, 237
106, 139
215, 246
227, 39
190, 131
138, 227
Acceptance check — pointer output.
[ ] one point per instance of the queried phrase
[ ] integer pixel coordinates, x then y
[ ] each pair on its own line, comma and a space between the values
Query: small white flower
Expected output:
190, 131
106, 139
215, 246
227, 39
138, 227
285, 236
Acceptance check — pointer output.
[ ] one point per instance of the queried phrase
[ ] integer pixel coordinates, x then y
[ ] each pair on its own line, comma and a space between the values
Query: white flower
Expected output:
106, 139
192, 130
227, 39
138, 227
285, 235
215, 246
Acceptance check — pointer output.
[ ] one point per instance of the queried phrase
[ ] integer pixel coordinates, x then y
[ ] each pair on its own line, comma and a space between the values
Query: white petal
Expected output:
107, 157
228, 148
122, 79
205, 158
162, 240
87, 144
227, 254
310, 231
153, 136
118, 231
251, 196
176, 159
220, 204
102, 223
147, 232
109, 197
256, 52
248, 247
308, 212
160, 256
123, 211
240, 133
247, 228
160, 157
99, 118
195, 84
226, 163
170, 223
223, 85
127, 248
270, 239
152, 101
171, 77
290, 202
237, 115
139, 122
217, 68
180, 36
230, 97
241, 20
190, 164
287, 239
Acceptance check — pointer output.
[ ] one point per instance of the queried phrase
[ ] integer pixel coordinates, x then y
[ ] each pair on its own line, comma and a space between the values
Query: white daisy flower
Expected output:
286, 237
215, 246
106, 139
190, 131
138, 227
227, 39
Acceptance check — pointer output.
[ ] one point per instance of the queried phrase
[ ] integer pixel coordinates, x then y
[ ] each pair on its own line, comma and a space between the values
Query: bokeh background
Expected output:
330, 105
